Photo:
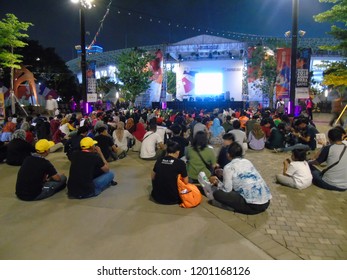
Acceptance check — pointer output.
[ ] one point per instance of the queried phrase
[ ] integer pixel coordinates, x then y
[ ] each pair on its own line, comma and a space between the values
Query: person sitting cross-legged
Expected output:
37, 178
89, 171
243, 190
296, 171
334, 176
164, 175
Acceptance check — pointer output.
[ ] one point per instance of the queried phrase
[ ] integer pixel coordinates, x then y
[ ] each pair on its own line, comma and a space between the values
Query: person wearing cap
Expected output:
37, 177
89, 171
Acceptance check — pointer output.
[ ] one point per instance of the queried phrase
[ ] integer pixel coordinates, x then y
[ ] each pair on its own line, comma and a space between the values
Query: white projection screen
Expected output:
208, 84
208, 78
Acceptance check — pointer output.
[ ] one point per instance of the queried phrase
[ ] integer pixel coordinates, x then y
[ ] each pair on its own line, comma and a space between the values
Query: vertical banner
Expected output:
251, 68
91, 81
283, 73
156, 66
303, 68
2, 106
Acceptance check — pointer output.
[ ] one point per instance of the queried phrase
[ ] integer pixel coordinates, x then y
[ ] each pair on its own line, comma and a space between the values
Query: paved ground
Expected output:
122, 223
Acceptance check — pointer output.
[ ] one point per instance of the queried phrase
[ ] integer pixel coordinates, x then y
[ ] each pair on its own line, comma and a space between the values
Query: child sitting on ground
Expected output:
296, 173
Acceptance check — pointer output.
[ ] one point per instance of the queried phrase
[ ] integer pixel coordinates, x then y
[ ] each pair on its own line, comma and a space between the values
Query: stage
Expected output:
198, 105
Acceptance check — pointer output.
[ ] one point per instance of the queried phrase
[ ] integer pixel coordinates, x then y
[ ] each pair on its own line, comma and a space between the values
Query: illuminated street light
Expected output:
83, 4
294, 33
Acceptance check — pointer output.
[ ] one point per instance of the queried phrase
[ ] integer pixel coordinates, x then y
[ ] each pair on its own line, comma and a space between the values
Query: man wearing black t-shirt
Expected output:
106, 144
37, 178
165, 173
183, 142
89, 171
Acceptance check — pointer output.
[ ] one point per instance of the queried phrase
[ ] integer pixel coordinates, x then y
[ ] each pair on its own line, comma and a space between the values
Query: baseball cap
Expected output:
87, 143
43, 145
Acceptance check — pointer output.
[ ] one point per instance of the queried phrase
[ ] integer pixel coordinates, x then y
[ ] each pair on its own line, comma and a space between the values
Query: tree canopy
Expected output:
263, 63
337, 14
10, 39
336, 73
133, 72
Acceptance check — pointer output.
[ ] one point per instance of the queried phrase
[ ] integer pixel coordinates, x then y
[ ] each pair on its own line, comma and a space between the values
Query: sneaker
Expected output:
206, 185
122, 155
114, 183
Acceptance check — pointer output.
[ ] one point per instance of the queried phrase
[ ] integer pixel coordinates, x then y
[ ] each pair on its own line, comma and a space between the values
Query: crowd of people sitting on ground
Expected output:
205, 148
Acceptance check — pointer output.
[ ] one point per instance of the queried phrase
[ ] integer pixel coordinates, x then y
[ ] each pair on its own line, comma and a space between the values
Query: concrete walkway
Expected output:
122, 223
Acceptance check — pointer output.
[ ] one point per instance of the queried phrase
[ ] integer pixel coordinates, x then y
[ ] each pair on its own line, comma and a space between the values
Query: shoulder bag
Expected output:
208, 166
336, 163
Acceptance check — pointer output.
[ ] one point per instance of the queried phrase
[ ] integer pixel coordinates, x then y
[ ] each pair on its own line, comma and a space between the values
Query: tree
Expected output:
336, 73
105, 84
10, 39
171, 82
133, 72
337, 14
263, 63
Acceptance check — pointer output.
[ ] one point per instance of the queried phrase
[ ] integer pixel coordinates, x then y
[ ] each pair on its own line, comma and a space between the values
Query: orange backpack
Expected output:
189, 194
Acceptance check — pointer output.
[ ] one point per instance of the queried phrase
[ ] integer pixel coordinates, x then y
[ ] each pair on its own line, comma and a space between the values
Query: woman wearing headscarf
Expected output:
121, 137
256, 138
138, 134
29, 135
216, 133
18, 148
130, 125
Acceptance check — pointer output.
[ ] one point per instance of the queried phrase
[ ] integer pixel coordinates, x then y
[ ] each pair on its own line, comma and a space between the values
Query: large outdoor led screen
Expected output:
208, 83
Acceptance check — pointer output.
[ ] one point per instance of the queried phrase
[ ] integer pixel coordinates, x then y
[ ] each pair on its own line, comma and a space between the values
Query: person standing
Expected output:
336, 109
89, 171
37, 178
51, 105
309, 108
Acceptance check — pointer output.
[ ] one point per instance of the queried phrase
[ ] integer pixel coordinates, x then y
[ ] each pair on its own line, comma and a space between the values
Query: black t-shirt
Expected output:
73, 144
166, 170
32, 175
222, 158
85, 166
105, 143
183, 142
310, 131
17, 150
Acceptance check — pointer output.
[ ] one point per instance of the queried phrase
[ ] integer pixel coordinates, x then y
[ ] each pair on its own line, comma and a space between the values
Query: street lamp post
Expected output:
293, 55
83, 4
83, 55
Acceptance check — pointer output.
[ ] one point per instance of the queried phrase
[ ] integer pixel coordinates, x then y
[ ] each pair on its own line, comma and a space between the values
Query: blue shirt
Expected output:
241, 176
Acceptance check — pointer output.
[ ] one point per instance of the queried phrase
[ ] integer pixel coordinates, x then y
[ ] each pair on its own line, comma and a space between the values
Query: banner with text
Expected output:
283, 73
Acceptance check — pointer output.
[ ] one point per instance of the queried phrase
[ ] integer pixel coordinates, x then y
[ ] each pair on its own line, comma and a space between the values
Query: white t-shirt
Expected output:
51, 104
148, 146
301, 173
123, 143
161, 130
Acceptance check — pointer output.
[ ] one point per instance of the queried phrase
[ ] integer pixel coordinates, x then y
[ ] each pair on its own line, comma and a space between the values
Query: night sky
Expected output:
56, 22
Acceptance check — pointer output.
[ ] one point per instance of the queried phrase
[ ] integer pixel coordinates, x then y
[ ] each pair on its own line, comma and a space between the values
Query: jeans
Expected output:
103, 182
52, 187
296, 146
320, 183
